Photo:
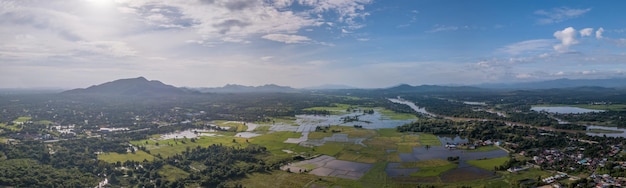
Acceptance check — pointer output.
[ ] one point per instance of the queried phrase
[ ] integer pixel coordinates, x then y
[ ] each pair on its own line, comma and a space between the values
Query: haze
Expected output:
361, 43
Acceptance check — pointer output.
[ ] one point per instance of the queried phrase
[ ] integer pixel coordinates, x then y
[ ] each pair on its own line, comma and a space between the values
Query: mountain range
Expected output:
140, 86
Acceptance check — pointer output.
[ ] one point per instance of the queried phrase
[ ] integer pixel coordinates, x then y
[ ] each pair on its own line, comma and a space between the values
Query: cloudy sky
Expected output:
301, 43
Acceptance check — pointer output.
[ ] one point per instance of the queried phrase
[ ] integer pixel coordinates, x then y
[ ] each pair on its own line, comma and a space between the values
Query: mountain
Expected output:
405, 88
561, 83
234, 88
329, 87
130, 87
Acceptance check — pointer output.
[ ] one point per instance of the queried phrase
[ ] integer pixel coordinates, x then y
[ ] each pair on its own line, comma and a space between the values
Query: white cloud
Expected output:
527, 46
289, 39
586, 32
267, 58
348, 10
523, 76
567, 37
561, 14
441, 28
599, 33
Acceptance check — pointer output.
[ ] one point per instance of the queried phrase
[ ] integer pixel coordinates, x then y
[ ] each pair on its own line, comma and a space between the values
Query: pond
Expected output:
622, 134
463, 172
189, 133
563, 109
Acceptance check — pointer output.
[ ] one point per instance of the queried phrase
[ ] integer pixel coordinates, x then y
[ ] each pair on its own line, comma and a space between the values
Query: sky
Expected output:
304, 43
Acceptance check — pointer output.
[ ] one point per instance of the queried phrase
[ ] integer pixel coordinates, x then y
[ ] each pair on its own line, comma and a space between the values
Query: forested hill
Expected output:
130, 87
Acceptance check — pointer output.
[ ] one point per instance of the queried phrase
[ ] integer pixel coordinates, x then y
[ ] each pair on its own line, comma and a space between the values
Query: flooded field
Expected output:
622, 134
190, 133
563, 109
329, 166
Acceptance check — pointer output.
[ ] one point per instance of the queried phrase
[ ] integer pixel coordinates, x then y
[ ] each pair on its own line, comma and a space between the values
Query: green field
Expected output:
429, 139
430, 168
350, 131
334, 109
603, 131
283, 120
235, 126
171, 173
22, 119
396, 116
171, 147
488, 164
611, 107
113, 157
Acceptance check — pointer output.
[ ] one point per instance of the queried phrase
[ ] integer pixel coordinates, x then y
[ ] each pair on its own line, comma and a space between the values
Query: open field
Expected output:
350, 131
612, 107
603, 131
334, 109
429, 139
396, 116
429, 168
113, 157
488, 164
171, 173
234, 125
171, 147
22, 119
10, 127
283, 120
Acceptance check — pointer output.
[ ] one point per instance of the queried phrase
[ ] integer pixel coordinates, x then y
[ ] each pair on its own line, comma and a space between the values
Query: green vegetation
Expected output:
488, 164
430, 168
22, 119
334, 109
429, 139
396, 116
611, 107
350, 131
484, 148
171, 173
170, 147
234, 125
274, 142
603, 131
277, 178
113, 157
279, 120
376, 176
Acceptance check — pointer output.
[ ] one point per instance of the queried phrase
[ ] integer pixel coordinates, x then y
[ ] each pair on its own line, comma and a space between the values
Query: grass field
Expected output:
430, 168
22, 119
236, 126
113, 157
274, 142
488, 164
429, 139
396, 116
376, 177
171, 147
351, 131
171, 173
10, 127
276, 178
334, 109
389, 132
603, 131
44, 122
283, 120
612, 107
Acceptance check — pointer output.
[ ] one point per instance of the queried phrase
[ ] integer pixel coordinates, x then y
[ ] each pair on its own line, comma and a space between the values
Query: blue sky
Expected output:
302, 43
